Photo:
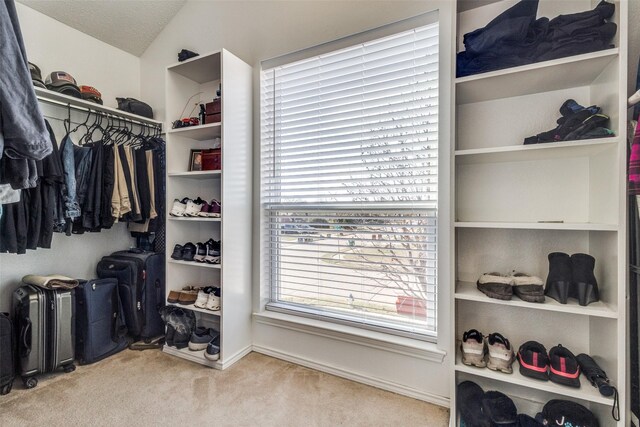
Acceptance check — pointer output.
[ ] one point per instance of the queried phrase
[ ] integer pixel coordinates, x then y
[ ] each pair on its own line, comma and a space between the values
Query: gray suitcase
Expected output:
45, 322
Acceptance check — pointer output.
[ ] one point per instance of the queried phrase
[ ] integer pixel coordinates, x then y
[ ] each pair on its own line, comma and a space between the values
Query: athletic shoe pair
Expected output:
208, 298
195, 208
207, 339
186, 252
208, 252
560, 365
493, 351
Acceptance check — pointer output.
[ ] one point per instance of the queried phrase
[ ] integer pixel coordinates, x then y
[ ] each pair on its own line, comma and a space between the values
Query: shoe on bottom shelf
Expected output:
201, 301
500, 353
201, 337
469, 401
528, 288
213, 301
499, 408
169, 335
213, 349
473, 349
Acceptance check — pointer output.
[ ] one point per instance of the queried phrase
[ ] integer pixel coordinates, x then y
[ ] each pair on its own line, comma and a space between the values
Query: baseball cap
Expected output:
90, 93
63, 82
36, 75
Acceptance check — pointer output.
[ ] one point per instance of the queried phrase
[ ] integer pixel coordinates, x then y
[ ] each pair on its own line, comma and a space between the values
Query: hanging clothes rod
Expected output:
59, 99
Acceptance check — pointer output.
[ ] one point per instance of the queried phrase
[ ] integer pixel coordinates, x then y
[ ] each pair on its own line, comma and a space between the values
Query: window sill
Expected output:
377, 340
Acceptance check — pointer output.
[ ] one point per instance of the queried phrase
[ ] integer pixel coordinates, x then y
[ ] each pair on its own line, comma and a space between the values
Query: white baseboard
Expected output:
374, 382
228, 361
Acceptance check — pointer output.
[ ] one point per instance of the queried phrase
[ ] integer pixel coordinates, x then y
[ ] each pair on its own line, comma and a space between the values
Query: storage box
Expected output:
211, 159
211, 118
214, 107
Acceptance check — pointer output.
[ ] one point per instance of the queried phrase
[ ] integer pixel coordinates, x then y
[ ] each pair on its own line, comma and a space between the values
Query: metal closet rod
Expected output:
102, 113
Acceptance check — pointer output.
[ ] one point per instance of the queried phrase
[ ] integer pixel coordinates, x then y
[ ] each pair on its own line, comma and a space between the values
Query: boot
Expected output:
584, 287
559, 278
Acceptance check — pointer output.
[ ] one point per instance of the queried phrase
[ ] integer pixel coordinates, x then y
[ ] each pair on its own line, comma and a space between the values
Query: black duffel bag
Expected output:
132, 105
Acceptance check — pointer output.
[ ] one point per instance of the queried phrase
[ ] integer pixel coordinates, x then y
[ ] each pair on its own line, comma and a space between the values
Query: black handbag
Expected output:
132, 105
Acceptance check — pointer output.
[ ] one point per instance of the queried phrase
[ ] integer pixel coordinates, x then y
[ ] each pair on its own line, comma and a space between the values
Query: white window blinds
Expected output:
349, 183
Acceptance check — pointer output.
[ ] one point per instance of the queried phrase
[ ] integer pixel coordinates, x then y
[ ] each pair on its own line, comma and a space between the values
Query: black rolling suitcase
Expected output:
7, 354
46, 331
100, 326
141, 282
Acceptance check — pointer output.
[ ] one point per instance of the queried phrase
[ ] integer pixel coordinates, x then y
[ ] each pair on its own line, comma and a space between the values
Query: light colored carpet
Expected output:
150, 388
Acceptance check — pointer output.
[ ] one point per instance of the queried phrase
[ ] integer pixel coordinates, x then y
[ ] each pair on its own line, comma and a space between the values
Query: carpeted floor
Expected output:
150, 388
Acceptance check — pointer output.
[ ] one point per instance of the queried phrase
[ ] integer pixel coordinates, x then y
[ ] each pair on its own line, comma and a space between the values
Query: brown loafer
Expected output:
187, 297
173, 297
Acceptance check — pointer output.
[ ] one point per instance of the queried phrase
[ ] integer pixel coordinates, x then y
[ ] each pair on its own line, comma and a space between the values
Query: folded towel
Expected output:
52, 281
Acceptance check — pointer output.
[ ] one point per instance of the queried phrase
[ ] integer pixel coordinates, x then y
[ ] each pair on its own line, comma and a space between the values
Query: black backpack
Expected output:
566, 413
132, 105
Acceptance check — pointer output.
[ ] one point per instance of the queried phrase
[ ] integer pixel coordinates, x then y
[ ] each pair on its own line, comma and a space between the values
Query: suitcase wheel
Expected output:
6, 389
30, 382
69, 368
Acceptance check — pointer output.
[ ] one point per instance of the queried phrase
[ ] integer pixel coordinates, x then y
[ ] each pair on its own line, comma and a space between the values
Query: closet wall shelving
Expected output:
514, 204
231, 186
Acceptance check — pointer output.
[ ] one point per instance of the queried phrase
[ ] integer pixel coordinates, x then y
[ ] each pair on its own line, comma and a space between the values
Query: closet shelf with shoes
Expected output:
539, 168
208, 205
468, 291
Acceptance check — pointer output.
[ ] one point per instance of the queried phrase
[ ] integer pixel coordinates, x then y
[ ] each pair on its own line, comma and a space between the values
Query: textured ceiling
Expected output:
130, 25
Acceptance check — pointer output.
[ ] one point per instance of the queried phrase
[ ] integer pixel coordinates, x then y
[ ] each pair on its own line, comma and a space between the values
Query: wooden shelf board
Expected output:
585, 392
196, 174
562, 73
193, 356
201, 69
194, 308
193, 219
195, 264
513, 153
200, 132
538, 225
468, 291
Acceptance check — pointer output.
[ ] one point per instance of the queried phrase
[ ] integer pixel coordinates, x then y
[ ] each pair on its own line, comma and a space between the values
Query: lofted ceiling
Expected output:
130, 25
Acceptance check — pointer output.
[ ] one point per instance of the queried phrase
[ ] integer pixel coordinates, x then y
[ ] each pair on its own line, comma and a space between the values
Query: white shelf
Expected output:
199, 132
464, 5
552, 150
196, 174
201, 69
57, 97
562, 73
193, 356
194, 308
537, 225
585, 392
195, 264
469, 292
193, 219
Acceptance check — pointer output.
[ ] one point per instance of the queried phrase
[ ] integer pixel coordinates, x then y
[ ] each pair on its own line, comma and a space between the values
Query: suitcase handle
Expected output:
26, 332
117, 330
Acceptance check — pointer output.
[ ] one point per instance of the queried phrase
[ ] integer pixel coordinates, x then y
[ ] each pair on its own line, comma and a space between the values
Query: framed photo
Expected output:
195, 160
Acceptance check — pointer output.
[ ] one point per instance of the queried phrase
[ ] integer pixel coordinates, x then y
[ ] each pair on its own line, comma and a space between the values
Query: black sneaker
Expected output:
188, 251
534, 361
201, 337
201, 252
563, 367
169, 335
177, 252
213, 351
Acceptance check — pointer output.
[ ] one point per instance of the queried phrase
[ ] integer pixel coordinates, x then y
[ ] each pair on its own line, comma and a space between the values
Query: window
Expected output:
349, 183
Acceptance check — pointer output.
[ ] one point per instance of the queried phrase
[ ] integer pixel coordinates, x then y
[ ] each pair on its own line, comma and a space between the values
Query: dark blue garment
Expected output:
82, 157
69, 193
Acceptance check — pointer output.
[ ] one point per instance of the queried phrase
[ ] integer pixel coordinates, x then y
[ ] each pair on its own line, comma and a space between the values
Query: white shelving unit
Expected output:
231, 186
514, 204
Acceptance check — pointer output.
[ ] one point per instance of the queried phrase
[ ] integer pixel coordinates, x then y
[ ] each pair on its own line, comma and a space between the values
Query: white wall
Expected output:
53, 47
259, 30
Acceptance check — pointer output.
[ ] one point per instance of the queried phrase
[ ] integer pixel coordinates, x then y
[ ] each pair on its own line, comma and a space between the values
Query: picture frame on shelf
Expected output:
195, 160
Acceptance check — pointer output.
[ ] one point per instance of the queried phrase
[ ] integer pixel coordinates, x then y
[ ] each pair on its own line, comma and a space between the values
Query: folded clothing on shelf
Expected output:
516, 37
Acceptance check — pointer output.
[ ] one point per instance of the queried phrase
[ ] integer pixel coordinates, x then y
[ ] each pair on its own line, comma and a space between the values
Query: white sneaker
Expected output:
178, 208
193, 208
213, 303
202, 300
